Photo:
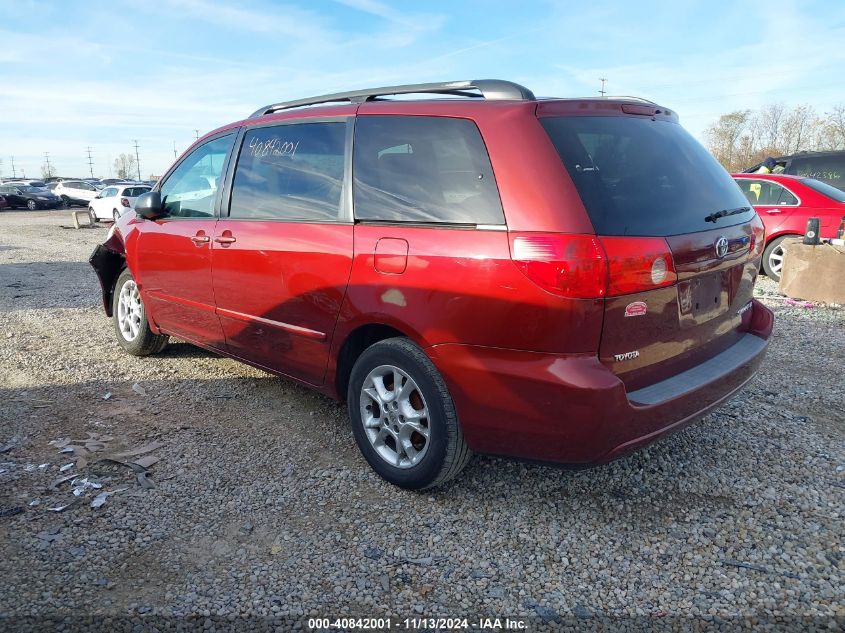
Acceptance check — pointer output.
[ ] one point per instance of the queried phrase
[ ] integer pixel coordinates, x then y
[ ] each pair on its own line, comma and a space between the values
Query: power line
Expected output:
90, 162
602, 91
137, 159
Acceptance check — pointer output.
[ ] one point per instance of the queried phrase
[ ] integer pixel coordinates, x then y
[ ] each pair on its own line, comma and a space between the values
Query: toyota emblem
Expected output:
721, 247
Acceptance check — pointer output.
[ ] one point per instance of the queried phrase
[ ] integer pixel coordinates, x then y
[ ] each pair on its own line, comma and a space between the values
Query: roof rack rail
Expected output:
491, 89
630, 98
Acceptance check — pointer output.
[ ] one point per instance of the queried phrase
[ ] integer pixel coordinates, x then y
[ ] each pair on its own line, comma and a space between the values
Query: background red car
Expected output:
785, 203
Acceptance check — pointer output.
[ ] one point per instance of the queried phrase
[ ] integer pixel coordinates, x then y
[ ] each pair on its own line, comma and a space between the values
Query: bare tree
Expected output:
47, 170
744, 138
830, 133
124, 165
770, 121
723, 136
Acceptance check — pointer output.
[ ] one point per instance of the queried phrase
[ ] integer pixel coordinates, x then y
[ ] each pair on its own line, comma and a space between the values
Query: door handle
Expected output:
200, 238
225, 239
773, 210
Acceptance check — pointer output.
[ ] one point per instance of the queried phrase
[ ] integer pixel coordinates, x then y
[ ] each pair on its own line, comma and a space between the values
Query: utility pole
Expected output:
137, 159
174, 149
47, 158
602, 91
90, 162
197, 134
14, 175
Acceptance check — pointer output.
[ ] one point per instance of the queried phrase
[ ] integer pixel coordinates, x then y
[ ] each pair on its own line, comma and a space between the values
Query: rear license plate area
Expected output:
703, 298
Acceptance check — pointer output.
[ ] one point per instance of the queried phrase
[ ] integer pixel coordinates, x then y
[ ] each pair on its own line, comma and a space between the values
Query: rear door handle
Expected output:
225, 239
200, 238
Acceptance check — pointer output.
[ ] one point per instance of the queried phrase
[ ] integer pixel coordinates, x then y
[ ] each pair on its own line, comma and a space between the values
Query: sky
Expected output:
105, 74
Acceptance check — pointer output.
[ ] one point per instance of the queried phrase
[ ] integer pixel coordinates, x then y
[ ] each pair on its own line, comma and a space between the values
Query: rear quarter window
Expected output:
423, 170
642, 177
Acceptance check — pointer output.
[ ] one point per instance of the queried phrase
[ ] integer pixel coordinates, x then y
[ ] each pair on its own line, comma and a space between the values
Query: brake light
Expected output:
757, 242
124, 202
567, 265
637, 264
590, 267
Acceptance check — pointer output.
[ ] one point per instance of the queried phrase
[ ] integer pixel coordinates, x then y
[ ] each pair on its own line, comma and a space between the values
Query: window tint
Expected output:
290, 172
642, 177
829, 169
108, 193
190, 190
765, 193
423, 169
825, 189
134, 192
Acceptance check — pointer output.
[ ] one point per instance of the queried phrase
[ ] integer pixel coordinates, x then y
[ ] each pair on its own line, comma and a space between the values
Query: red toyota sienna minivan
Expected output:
551, 279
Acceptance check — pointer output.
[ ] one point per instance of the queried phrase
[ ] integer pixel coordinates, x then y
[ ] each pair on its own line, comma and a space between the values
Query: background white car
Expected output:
114, 201
75, 191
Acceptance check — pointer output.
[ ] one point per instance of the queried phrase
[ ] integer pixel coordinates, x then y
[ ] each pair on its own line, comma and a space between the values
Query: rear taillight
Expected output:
567, 265
124, 202
637, 264
589, 267
757, 242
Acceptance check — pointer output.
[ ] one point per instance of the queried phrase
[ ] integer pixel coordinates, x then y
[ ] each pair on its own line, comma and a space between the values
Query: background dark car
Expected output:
30, 197
829, 167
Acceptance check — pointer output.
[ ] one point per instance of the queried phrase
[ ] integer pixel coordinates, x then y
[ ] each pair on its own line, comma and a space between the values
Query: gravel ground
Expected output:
264, 513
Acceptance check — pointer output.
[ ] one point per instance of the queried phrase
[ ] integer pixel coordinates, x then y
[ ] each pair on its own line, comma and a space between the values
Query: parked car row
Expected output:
107, 203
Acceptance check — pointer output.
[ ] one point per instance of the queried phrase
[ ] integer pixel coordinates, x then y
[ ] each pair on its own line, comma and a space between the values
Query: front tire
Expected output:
773, 258
403, 417
130, 319
31, 205
66, 202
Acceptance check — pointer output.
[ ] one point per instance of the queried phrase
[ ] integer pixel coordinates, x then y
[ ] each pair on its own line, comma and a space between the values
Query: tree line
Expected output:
743, 138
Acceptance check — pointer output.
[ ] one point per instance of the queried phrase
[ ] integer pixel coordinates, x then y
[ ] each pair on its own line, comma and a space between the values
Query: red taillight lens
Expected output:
567, 265
124, 202
637, 264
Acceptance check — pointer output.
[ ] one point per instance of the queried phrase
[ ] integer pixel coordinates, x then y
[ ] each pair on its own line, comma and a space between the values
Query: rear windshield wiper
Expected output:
725, 213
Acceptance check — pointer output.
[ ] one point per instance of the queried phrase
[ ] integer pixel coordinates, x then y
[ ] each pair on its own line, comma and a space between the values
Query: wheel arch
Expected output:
354, 344
108, 260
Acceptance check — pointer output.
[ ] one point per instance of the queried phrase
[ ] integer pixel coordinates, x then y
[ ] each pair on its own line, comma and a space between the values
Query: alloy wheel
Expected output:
129, 311
776, 259
395, 416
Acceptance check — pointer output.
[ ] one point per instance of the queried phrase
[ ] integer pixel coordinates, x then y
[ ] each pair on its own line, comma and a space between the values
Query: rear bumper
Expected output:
572, 409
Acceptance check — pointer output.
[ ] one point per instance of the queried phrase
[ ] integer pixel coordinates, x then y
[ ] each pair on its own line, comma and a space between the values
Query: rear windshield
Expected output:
642, 177
825, 189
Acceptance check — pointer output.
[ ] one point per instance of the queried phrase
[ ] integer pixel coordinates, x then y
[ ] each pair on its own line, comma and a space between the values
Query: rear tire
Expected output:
403, 417
66, 202
115, 215
773, 258
92, 216
130, 319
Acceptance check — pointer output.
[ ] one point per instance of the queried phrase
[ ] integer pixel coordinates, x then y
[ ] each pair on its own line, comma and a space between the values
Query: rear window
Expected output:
423, 170
642, 177
825, 189
830, 169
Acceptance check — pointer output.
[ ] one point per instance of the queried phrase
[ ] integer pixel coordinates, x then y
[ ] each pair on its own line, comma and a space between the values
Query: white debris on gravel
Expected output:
740, 515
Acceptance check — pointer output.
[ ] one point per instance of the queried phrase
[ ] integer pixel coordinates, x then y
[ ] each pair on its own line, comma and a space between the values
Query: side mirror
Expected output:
148, 205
